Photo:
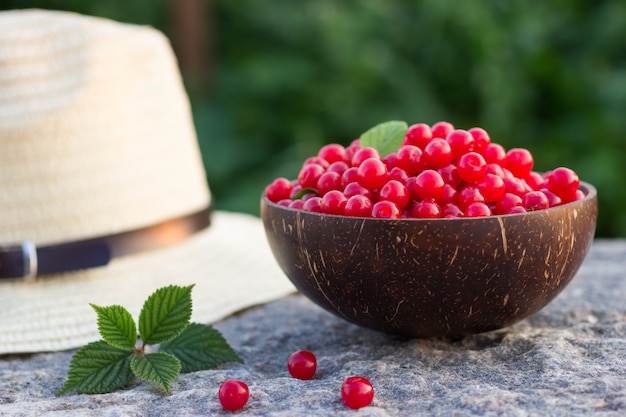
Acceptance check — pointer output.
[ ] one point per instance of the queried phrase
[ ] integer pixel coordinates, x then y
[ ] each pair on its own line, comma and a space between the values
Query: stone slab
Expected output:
567, 360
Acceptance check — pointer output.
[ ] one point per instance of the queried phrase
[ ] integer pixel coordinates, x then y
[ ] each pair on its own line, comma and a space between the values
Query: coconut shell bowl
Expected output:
432, 277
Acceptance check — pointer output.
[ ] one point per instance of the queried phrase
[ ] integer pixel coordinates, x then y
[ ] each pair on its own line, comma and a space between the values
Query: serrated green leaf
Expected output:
98, 368
165, 314
116, 326
386, 137
200, 347
159, 367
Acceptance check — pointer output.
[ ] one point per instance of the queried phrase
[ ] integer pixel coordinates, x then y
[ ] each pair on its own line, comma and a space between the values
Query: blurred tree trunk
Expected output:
191, 32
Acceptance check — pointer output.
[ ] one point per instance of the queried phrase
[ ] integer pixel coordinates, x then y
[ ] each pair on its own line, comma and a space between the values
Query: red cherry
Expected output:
437, 154
310, 174
426, 209
519, 161
472, 167
339, 167
449, 195
429, 184
477, 209
494, 153
357, 392
516, 186
333, 202
372, 173
398, 174
332, 152
491, 187
363, 154
313, 204
451, 211
352, 149
563, 182
391, 160
302, 364
553, 199
279, 189
396, 192
579, 195
450, 175
461, 142
385, 210
349, 175
517, 210
481, 138
507, 202
468, 195
409, 159
358, 206
328, 181
418, 135
297, 204
354, 188
535, 200
233, 394
441, 129
496, 169
534, 180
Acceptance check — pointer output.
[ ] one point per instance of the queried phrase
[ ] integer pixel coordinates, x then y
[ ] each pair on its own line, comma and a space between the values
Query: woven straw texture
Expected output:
96, 137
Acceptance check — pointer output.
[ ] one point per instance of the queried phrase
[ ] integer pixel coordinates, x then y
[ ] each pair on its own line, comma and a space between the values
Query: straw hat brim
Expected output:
230, 264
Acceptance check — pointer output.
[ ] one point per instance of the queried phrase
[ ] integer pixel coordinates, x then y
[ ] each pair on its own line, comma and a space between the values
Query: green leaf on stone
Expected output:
116, 326
108, 364
97, 368
200, 347
159, 367
165, 314
386, 137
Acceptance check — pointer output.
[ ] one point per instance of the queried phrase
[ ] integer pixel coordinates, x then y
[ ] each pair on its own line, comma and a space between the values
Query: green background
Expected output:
286, 77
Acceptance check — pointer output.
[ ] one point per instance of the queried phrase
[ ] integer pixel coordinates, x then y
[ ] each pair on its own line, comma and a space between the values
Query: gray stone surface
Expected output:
567, 360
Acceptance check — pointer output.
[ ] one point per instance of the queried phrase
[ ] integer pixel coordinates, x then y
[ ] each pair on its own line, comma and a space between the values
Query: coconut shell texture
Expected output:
432, 277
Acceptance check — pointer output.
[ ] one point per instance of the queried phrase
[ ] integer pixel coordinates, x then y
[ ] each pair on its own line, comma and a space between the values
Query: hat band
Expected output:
26, 261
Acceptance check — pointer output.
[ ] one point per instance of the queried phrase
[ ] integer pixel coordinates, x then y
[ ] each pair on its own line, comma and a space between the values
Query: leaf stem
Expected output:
140, 347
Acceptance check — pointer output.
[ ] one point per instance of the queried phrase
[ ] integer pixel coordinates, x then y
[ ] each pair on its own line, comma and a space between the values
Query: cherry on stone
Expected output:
357, 392
233, 394
302, 364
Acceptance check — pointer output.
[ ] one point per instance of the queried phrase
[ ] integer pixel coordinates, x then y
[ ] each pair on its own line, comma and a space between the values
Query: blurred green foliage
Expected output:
291, 76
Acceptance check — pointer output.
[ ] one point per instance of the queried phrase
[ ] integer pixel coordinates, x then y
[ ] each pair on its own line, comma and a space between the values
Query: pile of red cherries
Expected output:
437, 172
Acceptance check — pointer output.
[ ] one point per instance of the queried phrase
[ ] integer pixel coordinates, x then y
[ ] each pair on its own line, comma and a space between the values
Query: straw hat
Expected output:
103, 197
